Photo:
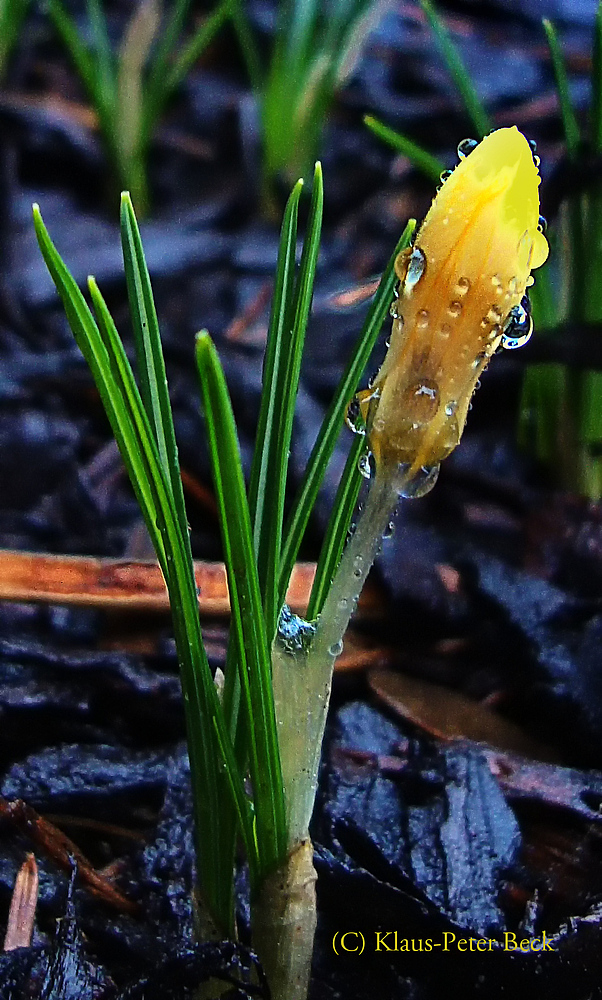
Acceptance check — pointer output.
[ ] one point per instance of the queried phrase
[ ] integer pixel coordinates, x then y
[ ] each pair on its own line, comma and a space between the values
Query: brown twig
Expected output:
126, 584
62, 850
21, 916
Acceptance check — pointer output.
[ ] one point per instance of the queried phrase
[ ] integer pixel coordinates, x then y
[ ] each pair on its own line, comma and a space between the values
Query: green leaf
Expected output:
271, 451
12, 14
82, 59
104, 57
460, 75
196, 45
333, 421
247, 621
429, 165
213, 767
338, 527
149, 354
569, 120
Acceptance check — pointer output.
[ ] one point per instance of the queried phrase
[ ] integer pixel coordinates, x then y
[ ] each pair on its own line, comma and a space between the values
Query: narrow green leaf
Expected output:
247, 620
83, 61
149, 354
194, 48
268, 462
333, 421
247, 44
12, 14
338, 527
429, 165
569, 119
460, 75
303, 298
104, 56
165, 46
213, 767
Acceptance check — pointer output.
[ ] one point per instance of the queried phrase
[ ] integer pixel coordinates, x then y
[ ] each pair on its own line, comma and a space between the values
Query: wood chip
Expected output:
450, 715
21, 916
136, 585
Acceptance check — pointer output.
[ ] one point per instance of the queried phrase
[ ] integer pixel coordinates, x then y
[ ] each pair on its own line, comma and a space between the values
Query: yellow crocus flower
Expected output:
469, 267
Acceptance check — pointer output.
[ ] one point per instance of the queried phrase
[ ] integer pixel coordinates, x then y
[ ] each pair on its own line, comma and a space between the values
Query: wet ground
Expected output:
462, 777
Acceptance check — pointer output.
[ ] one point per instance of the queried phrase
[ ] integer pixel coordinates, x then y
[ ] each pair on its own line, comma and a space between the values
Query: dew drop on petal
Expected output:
454, 308
465, 147
422, 319
420, 483
462, 286
415, 269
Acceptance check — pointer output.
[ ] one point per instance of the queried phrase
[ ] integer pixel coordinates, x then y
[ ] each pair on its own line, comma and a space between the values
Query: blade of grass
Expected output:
429, 165
265, 510
248, 624
104, 352
12, 14
303, 298
149, 353
248, 45
333, 421
104, 56
80, 55
130, 96
460, 75
197, 45
338, 527
569, 120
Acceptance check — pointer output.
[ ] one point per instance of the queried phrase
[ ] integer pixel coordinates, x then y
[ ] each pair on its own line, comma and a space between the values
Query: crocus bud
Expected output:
468, 269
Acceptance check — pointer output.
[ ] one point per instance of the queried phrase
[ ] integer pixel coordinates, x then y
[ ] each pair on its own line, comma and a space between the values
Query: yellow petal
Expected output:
470, 265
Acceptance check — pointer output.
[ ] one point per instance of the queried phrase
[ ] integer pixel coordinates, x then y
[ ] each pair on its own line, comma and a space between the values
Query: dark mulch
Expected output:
493, 581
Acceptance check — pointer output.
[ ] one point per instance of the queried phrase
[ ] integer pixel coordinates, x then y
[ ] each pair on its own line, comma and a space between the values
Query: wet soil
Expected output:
462, 776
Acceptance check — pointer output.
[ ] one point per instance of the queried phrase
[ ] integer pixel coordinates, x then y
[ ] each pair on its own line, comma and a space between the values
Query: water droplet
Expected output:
365, 466
294, 634
530, 281
542, 224
497, 283
462, 286
354, 419
422, 319
394, 309
450, 408
420, 483
343, 603
379, 425
444, 331
444, 175
454, 308
495, 314
465, 147
336, 649
389, 530
519, 326
416, 267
